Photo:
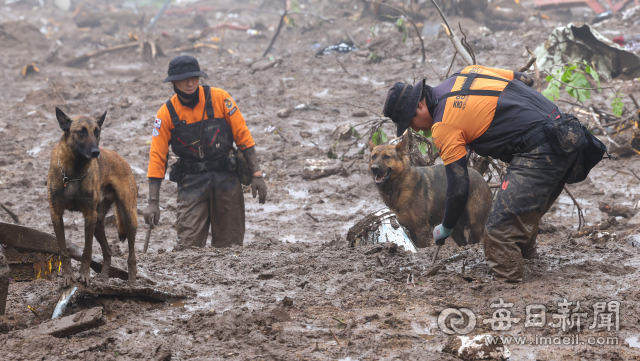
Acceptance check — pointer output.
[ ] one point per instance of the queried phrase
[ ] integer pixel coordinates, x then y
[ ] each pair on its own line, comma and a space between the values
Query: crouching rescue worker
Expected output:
201, 124
497, 114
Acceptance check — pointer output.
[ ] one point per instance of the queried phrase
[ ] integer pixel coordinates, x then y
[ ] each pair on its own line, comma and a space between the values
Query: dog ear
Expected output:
371, 145
404, 145
100, 119
63, 120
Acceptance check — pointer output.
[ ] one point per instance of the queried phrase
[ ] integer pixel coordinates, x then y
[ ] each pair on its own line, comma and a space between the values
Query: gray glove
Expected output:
259, 187
153, 209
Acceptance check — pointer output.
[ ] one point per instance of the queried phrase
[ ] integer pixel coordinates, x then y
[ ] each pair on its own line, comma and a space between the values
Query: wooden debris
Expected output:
4, 281
81, 59
65, 326
11, 214
616, 210
320, 168
70, 325
28, 239
193, 47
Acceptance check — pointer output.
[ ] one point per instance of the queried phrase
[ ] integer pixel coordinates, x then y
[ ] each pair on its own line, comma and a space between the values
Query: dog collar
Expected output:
66, 179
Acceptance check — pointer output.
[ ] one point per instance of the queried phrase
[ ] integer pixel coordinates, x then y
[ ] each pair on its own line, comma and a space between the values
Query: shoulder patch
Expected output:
233, 110
228, 103
157, 123
155, 132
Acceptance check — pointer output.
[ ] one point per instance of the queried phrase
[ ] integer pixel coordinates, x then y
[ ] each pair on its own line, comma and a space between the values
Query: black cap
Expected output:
401, 104
183, 67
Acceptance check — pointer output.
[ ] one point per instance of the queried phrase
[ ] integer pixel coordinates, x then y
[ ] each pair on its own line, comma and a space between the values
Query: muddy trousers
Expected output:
210, 200
533, 182
4, 280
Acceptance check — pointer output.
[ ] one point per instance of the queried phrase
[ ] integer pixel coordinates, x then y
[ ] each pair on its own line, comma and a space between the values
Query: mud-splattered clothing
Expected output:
209, 194
210, 201
487, 123
533, 182
222, 103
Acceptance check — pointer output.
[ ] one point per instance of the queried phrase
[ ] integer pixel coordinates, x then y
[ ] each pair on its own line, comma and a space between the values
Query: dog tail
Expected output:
125, 220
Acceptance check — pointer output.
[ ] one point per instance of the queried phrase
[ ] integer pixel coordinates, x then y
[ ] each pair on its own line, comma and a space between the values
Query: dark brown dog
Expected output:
85, 178
417, 195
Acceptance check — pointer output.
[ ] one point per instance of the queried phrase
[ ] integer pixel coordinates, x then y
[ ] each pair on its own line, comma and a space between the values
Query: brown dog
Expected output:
417, 195
85, 178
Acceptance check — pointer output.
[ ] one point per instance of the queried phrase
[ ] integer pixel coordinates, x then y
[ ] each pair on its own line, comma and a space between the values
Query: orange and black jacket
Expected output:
486, 109
224, 107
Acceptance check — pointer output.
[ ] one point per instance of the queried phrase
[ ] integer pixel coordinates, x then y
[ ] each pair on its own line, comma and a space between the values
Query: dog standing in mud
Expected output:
417, 195
85, 178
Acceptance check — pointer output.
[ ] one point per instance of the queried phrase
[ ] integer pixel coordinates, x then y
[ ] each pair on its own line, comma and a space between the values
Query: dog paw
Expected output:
84, 278
67, 280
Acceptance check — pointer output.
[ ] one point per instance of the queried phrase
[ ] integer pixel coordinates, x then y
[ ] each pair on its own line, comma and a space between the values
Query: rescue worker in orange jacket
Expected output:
496, 113
201, 124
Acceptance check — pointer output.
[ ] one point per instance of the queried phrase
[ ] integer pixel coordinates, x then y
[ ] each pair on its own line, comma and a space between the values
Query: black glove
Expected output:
153, 209
258, 187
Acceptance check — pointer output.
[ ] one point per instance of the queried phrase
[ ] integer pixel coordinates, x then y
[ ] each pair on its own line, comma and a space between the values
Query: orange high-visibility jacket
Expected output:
487, 123
222, 103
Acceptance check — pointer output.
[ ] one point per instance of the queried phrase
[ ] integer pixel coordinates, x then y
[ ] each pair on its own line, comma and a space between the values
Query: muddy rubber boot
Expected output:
532, 183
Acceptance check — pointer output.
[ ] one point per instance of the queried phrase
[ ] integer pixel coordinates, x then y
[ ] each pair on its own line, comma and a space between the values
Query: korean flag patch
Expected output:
157, 123
155, 132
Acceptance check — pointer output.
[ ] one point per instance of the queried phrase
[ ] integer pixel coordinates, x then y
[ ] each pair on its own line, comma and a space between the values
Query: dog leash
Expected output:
66, 179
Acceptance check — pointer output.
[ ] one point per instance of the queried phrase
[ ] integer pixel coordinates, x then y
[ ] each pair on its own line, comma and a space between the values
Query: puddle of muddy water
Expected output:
180, 303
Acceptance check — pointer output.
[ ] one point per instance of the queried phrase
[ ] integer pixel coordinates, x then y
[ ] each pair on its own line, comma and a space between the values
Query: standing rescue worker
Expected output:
497, 114
201, 124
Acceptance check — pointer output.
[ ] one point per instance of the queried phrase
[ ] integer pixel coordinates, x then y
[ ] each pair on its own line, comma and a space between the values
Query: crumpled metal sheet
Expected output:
581, 42
380, 227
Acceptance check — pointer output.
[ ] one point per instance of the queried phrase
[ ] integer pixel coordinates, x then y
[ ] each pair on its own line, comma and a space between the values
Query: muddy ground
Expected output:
295, 282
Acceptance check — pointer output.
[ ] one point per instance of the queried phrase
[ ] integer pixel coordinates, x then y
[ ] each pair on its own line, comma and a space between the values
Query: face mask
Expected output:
195, 95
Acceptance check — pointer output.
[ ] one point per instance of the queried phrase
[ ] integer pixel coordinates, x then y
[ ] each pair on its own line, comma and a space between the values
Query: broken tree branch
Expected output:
599, 126
410, 20
343, 68
453, 38
581, 221
532, 61
466, 45
13, 215
158, 14
193, 47
280, 24
451, 65
92, 54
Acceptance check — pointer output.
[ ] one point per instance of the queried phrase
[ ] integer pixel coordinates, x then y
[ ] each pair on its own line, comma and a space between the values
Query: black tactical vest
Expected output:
205, 140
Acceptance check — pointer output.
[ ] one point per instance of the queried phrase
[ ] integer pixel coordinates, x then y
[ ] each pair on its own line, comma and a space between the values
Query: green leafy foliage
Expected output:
578, 80
423, 146
402, 27
573, 77
616, 104
553, 89
379, 137
295, 6
355, 132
